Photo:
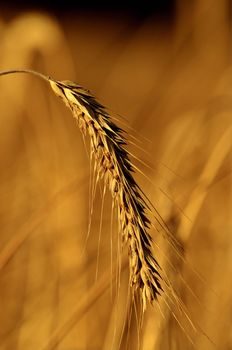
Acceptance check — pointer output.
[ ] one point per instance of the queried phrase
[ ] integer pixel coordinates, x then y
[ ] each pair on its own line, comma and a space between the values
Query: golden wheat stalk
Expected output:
114, 167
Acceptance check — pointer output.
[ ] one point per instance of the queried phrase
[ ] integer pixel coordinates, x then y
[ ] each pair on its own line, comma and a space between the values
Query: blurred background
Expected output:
165, 66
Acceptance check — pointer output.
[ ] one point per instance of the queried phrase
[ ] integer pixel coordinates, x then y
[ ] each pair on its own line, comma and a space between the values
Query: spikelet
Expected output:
108, 145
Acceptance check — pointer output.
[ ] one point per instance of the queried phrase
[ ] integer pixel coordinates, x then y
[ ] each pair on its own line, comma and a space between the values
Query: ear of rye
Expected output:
108, 145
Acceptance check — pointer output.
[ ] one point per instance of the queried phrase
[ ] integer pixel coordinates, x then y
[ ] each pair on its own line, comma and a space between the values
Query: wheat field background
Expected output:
171, 82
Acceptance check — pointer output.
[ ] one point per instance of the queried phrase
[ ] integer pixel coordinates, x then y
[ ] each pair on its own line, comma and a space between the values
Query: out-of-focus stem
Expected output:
29, 71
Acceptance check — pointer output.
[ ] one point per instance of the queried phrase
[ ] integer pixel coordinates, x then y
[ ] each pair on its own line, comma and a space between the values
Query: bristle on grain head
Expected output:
113, 164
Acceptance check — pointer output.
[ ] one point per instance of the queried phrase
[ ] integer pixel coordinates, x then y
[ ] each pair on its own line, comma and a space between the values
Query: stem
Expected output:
12, 71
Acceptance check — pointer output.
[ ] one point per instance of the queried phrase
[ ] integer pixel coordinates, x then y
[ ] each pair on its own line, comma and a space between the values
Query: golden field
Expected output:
171, 82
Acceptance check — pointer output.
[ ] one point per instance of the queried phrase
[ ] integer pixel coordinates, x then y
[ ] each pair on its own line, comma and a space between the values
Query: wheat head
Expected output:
114, 167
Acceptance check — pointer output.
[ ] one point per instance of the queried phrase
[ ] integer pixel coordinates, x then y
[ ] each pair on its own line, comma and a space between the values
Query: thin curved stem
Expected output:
29, 71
